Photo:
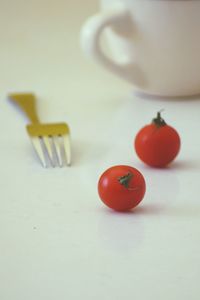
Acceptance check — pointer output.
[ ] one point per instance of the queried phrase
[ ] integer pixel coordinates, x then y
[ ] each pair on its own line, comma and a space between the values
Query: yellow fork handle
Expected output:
27, 102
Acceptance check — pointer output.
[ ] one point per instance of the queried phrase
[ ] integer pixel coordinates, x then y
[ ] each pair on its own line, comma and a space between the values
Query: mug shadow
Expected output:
146, 96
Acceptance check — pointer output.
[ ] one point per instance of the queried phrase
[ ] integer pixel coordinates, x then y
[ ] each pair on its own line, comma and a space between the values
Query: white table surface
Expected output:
57, 240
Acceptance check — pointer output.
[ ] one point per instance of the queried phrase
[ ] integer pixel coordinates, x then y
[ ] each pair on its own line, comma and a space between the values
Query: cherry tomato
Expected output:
121, 187
157, 144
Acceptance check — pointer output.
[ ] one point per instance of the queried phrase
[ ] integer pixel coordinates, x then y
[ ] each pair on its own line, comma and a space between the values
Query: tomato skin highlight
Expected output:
157, 146
115, 193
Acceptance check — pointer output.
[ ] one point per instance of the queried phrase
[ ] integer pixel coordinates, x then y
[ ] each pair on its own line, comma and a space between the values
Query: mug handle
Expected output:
90, 41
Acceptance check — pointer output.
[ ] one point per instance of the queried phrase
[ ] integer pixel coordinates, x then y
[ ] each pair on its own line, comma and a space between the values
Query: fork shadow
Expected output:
87, 152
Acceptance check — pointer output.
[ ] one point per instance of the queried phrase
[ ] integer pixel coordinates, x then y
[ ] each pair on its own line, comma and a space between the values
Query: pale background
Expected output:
57, 240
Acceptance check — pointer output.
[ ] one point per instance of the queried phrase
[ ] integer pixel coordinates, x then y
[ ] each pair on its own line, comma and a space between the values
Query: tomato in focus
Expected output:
121, 187
157, 144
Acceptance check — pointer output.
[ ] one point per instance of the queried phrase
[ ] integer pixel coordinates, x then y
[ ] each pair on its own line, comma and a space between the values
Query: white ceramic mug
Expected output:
155, 44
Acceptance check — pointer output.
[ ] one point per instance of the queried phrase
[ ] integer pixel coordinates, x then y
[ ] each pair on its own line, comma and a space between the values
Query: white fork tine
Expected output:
48, 146
36, 141
56, 142
67, 148
50, 140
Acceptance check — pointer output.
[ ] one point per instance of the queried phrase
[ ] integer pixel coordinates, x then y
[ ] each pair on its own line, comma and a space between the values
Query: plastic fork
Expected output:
50, 141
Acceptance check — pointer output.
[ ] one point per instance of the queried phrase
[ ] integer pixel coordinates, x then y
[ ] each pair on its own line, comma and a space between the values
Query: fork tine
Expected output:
36, 141
67, 149
48, 148
56, 143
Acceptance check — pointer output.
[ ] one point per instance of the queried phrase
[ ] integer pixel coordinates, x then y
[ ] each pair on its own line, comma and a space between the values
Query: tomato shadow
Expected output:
149, 209
146, 209
158, 209
186, 211
184, 165
189, 212
177, 211
175, 165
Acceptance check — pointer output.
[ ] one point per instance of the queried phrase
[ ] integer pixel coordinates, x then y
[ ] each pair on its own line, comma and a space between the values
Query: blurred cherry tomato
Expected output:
157, 144
121, 187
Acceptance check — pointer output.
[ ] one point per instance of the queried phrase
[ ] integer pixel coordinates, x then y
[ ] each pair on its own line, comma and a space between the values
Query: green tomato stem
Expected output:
159, 121
125, 180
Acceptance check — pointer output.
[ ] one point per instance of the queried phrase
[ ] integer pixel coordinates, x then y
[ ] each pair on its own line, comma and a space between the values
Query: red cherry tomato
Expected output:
121, 187
157, 144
